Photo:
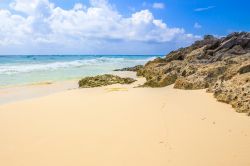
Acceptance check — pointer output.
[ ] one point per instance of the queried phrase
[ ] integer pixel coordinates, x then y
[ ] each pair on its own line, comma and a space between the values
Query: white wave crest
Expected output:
52, 66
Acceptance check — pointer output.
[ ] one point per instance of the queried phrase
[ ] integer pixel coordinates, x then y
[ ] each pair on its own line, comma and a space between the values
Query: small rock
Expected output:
135, 68
103, 80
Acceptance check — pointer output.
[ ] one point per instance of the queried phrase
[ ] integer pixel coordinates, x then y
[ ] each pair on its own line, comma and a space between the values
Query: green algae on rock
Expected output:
103, 80
135, 68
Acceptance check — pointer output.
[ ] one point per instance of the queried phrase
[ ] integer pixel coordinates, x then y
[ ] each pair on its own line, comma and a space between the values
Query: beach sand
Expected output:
120, 125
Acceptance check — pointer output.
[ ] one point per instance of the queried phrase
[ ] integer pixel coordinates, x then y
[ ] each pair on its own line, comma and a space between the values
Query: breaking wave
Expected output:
14, 68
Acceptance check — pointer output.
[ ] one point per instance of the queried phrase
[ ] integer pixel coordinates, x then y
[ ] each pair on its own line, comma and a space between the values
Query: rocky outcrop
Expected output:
103, 80
222, 65
235, 91
135, 68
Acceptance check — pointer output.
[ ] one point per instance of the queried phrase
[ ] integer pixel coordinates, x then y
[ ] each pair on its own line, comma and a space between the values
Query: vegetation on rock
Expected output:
103, 80
135, 68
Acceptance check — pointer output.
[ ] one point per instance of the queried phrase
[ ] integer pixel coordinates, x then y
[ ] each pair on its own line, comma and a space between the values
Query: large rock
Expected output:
103, 80
205, 64
204, 77
159, 73
235, 91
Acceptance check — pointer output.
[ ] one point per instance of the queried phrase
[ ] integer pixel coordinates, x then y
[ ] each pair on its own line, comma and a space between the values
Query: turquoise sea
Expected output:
28, 69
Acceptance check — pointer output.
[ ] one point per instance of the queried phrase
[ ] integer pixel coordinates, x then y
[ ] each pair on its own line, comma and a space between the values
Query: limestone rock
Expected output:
221, 65
235, 91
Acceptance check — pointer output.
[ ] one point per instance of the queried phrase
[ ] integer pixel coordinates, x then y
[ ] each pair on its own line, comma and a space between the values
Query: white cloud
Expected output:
42, 26
32, 7
204, 9
197, 25
158, 5
13, 28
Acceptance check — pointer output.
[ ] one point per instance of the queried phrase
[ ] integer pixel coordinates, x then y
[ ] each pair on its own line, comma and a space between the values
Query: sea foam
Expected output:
26, 67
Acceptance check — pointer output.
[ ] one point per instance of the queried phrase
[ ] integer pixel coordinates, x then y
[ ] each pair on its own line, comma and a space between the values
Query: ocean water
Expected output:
29, 69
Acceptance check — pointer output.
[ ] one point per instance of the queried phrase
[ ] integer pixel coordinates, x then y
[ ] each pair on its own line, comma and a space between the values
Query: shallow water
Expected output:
28, 69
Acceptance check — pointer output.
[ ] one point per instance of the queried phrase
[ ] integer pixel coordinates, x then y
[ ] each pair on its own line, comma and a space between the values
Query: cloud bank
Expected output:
39, 26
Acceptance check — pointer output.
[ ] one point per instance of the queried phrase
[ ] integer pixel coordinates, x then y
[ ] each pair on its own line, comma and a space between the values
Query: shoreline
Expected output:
22, 92
19, 93
16, 93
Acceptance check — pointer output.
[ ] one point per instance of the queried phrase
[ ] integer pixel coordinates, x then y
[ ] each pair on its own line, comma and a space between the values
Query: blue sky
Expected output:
225, 17
115, 27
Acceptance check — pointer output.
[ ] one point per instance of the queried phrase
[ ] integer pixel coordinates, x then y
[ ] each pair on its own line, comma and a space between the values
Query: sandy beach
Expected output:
120, 125
124, 83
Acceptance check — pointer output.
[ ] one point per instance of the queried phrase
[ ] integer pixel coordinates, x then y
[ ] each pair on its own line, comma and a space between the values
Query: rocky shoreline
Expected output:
220, 65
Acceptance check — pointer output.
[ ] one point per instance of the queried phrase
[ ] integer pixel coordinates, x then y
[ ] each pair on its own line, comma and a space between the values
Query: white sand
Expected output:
123, 126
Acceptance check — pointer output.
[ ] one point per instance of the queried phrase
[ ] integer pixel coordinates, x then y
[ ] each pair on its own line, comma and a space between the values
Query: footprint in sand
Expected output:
166, 145
203, 118
116, 89
163, 106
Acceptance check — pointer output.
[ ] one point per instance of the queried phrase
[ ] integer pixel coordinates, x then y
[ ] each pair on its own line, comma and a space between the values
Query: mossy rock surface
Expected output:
135, 68
103, 80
